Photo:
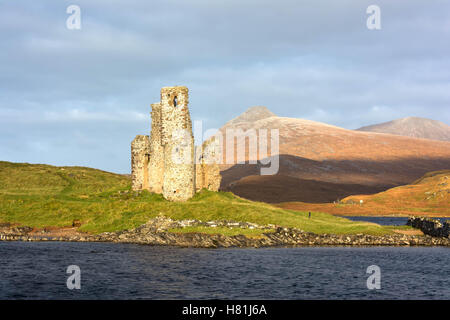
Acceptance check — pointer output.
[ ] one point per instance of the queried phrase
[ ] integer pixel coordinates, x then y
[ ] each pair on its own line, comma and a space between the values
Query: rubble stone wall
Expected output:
140, 150
156, 161
432, 227
207, 169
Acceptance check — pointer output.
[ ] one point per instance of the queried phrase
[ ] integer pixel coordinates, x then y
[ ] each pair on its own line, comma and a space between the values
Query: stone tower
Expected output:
164, 162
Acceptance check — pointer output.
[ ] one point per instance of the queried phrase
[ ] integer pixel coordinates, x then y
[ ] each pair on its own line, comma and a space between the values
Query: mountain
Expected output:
413, 127
322, 163
427, 196
251, 115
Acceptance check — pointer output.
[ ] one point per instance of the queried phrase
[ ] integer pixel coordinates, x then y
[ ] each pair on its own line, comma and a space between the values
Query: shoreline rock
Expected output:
155, 232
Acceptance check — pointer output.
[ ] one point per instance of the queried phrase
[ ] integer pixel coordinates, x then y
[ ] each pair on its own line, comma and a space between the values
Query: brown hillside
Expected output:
279, 188
353, 161
428, 196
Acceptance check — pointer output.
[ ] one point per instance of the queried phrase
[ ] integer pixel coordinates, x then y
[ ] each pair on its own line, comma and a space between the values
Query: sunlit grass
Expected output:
41, 196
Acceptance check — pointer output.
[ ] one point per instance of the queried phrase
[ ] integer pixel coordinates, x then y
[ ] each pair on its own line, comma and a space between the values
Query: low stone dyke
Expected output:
156, 232
431, 227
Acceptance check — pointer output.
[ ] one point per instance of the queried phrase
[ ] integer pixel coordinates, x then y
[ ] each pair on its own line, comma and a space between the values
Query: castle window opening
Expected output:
175, 101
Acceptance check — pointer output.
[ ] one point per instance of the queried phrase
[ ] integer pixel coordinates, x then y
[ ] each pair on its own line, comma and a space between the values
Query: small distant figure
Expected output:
361, 202
309, 216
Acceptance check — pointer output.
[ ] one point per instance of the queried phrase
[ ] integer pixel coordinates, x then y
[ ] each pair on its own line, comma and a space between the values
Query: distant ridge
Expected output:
413, 127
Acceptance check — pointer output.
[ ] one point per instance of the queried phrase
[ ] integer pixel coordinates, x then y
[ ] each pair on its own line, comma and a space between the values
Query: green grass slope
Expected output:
46, 196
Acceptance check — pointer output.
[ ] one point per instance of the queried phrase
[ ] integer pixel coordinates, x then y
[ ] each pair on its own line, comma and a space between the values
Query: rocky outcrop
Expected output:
157, 232
432, 227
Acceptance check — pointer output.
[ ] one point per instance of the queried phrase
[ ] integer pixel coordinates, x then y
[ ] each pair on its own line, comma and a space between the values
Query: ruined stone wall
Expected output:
178, 142
140, 149
164, 163
156, 161
432, 227
207, 167
198, 169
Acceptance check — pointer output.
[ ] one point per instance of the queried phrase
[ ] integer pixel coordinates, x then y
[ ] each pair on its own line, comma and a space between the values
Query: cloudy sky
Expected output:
78, 97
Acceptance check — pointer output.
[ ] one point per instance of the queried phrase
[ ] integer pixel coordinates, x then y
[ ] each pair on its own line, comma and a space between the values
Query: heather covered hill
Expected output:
357, 161
413, 127
427, 196
281, 188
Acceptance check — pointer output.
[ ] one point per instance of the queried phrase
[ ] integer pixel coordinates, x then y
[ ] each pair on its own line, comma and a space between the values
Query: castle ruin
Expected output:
167, 161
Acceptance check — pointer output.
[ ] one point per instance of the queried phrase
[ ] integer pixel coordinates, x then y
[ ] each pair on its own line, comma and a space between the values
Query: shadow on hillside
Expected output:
305, 180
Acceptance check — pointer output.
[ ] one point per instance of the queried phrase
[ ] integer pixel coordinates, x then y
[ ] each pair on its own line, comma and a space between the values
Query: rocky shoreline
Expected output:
156, 232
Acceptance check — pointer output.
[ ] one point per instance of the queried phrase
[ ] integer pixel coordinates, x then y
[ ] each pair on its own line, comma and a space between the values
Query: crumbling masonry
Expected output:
167, 162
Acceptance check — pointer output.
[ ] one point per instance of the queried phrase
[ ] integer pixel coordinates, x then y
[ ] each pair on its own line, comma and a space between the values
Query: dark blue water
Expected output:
37, 270
395, 221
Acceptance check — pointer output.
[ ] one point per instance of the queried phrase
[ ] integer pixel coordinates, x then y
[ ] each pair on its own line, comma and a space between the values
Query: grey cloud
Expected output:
79, 97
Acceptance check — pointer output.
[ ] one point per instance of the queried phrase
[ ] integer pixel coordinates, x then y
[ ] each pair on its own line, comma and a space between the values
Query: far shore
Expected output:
355, 210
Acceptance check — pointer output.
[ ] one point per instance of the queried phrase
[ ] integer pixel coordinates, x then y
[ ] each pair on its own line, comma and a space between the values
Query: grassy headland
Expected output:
41, 196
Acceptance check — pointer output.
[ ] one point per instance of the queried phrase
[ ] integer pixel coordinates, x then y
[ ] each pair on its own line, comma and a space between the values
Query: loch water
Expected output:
394, 221
37, 270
